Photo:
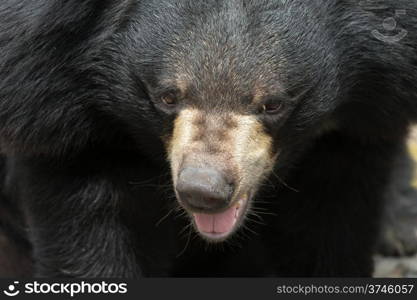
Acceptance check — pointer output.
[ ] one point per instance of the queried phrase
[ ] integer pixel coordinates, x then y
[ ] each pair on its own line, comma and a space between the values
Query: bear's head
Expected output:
233, 88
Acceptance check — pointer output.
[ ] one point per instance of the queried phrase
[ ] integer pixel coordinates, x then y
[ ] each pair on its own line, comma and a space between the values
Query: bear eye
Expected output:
169, 100
271, 108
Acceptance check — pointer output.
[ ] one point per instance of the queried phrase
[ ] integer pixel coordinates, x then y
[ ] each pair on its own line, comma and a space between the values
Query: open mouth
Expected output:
218, 227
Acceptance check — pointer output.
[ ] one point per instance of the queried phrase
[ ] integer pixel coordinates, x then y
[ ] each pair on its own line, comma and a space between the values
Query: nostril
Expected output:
203, 188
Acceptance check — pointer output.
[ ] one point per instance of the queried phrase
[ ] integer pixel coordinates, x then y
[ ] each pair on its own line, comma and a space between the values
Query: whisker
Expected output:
185, 228
284, 183
261, 220
165, 217
187, 243
264, 212
180, 213
250, 230
255, 221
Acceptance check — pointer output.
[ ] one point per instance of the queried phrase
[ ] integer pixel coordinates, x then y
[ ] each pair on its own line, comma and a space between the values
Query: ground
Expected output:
394, 267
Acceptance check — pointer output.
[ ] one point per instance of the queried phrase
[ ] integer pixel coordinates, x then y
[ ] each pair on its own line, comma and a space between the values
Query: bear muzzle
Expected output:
207, 195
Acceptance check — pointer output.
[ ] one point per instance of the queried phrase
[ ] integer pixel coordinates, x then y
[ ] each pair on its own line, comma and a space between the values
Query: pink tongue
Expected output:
217, 223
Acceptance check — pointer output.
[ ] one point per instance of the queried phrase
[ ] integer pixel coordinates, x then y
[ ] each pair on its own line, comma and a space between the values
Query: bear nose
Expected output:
204, 189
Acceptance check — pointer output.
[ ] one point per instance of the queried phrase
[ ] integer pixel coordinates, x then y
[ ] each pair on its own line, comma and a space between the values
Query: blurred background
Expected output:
402, 261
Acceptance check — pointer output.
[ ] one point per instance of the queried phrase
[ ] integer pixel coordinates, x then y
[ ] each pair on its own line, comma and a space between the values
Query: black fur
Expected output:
86, 165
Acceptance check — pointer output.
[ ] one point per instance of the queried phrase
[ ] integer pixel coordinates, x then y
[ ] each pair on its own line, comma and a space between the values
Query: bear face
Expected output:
227, 97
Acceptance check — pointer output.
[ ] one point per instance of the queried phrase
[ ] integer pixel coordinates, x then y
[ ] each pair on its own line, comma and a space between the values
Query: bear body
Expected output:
309, 102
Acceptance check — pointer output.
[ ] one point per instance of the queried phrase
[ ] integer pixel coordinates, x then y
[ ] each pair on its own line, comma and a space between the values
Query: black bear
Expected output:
204, 138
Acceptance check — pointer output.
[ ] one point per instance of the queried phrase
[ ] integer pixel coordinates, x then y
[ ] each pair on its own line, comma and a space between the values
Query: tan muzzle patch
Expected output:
237, 145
